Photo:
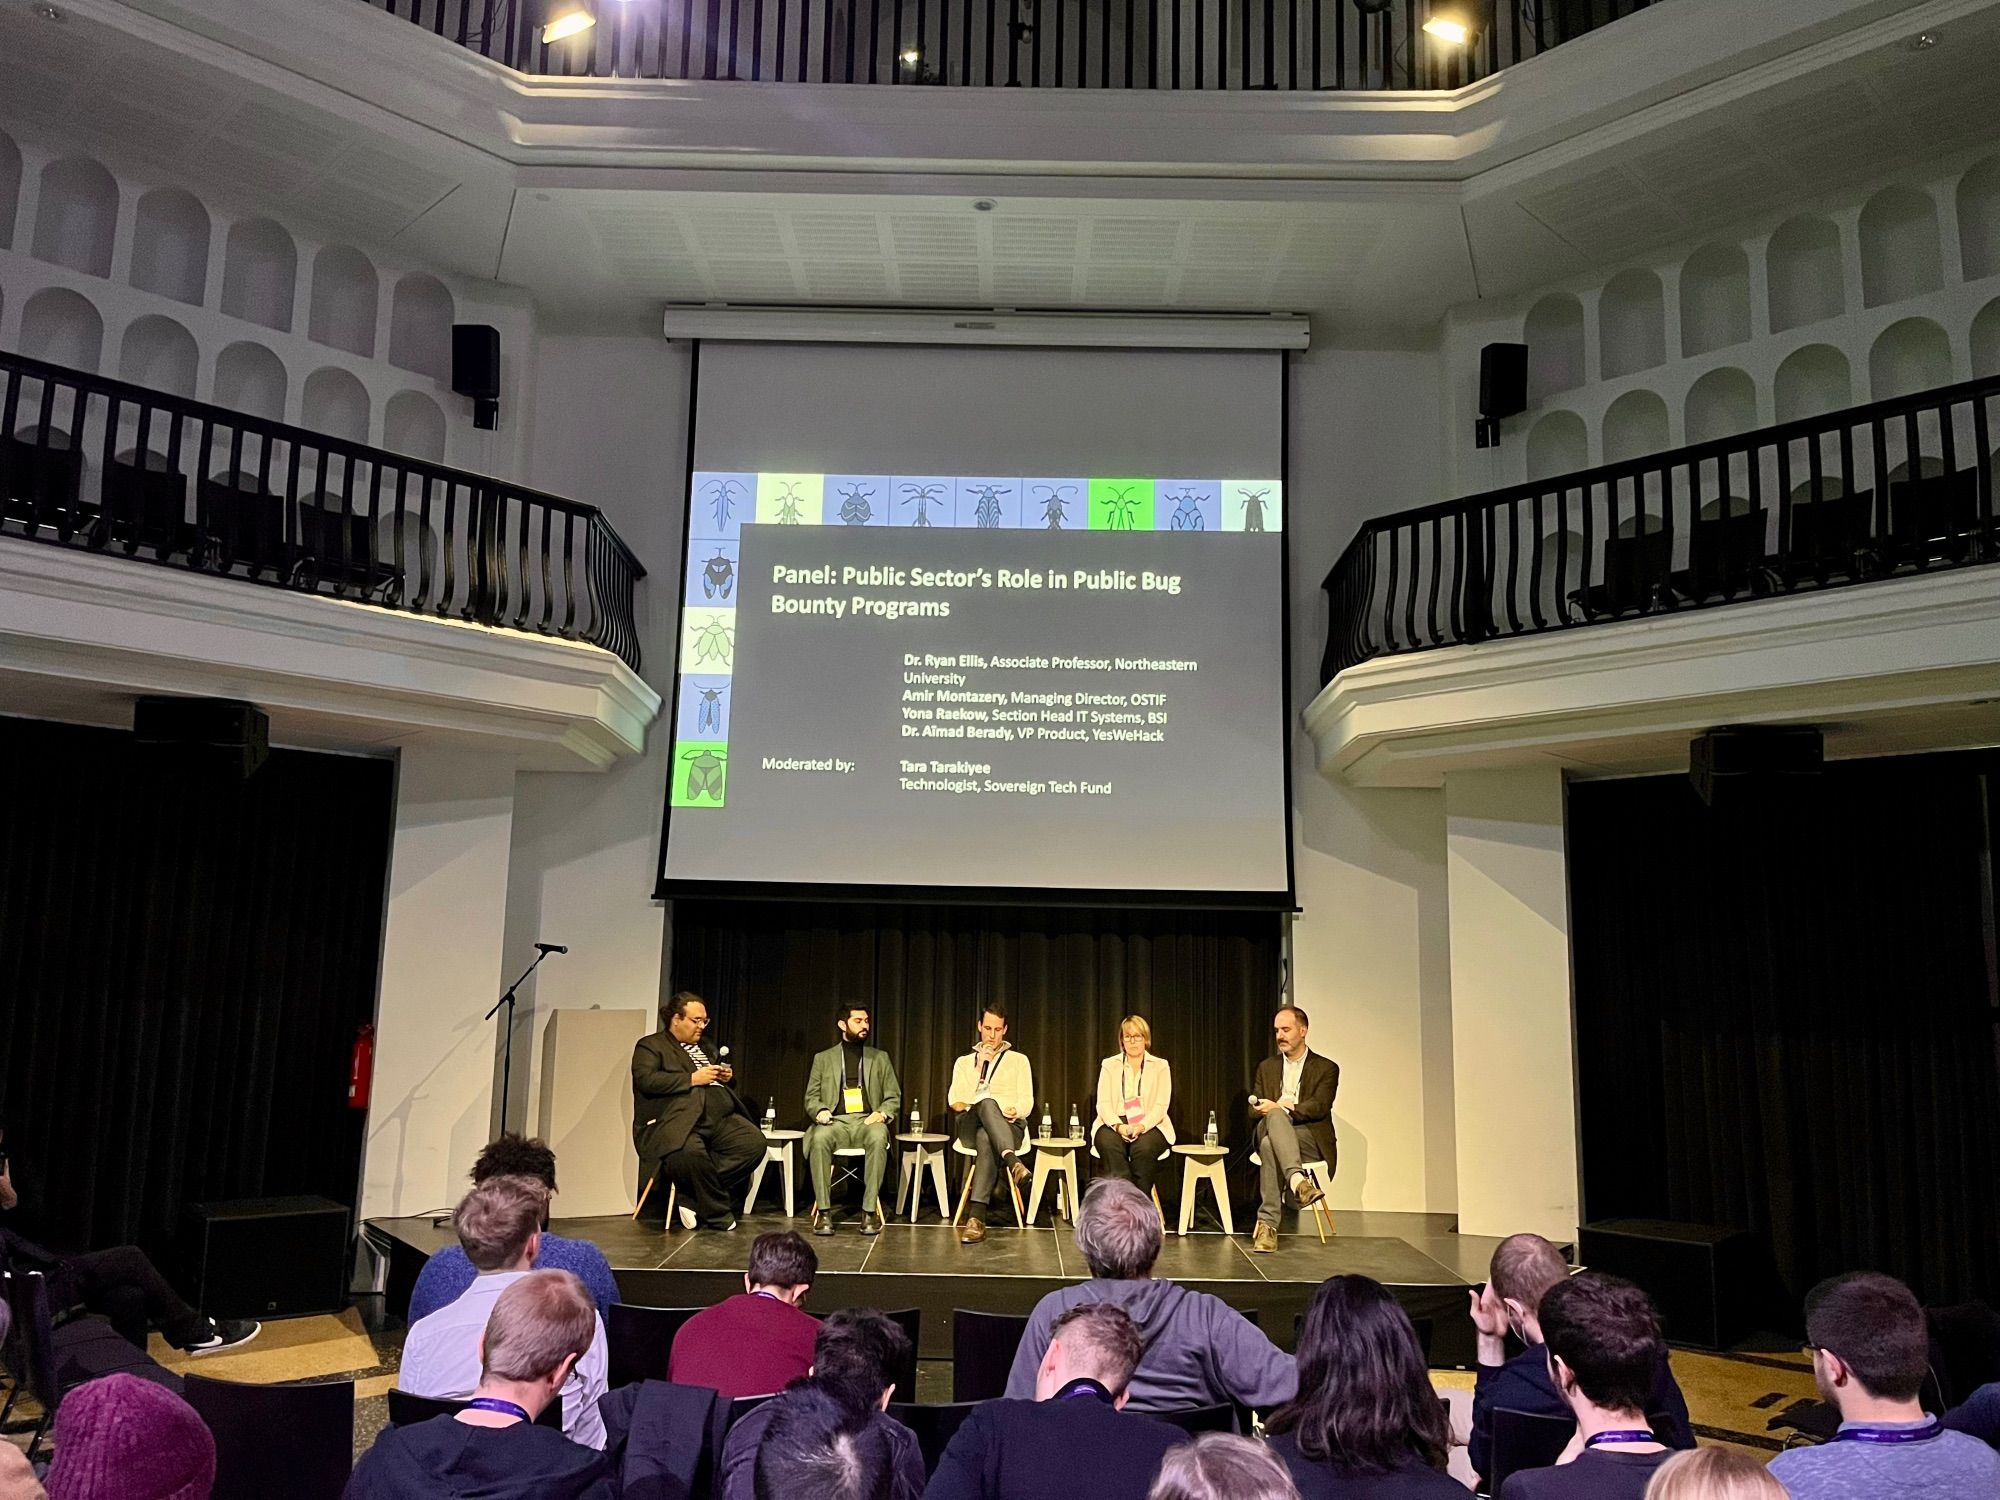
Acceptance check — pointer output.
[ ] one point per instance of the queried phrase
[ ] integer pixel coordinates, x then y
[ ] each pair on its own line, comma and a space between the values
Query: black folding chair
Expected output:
1525, 1440
911, 1321
1196, 1419
34, 1342
407, 1408
294, 1440
639, 1341
933, 1425
982, 1352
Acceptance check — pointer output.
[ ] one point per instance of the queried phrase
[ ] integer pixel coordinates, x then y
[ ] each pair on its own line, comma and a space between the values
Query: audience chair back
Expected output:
1525, 1440
1198, 1419
982, 1352
933, 1425
911, 1321
35, 1344
1965, 1348
295, 1441
639, 1341
407, 1408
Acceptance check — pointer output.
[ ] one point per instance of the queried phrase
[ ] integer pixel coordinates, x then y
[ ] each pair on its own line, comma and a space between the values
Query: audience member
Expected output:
1199, 1351
17, 1476
448, 1272
818, 1448
1714, 1474
1222, 1466
1524, 1267
757, 1341
500, 1225
541, 1326
1072, 1438
855, 1360
1978, 1415
1602, 1341
121, 1282
1870, 1351
1366, 1424
123, 1438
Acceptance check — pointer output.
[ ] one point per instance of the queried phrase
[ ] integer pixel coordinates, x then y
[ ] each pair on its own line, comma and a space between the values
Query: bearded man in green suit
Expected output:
852, 1099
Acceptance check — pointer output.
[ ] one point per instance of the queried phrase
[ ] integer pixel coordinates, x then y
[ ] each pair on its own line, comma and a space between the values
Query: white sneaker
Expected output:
229, 1334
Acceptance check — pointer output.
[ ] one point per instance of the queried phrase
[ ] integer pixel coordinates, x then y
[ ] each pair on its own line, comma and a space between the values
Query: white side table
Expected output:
778, 1148
921, 1151
1201, 1164
1055, 1156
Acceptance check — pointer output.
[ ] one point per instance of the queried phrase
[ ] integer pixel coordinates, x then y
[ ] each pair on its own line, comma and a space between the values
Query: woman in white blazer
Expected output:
1134, 1092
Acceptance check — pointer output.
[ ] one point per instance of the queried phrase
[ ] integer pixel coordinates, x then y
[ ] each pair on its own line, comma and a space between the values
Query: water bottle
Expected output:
1208, 1136
771, 1115
1048, 1124
916, 1117
1075, 1125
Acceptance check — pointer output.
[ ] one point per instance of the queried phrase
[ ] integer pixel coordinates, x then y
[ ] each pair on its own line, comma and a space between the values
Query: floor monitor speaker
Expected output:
1704, 1279
268, 1257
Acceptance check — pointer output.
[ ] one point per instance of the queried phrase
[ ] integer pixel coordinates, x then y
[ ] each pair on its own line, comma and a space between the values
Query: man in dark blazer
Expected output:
1074, 1438
687, 1123
1292, 1102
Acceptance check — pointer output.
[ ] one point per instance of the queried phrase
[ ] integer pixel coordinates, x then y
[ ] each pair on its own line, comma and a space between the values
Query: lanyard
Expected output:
495, 1404
1636, 1435
860, 1064
1921, 1434
1083, 1387
1138, 1084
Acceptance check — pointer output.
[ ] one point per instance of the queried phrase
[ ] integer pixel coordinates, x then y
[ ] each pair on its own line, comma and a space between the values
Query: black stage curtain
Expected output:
185, 957
1786, 1013
1207, 983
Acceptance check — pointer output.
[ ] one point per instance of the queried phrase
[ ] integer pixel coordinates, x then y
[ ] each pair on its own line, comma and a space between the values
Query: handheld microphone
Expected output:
552, 947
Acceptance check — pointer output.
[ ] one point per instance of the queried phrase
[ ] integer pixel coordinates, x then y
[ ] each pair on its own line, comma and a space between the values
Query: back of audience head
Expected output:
512, 1155
818, 1446
1868, 1338
856, 1356
1603, 1340
538, 1329
1714, 1474
1118, 1230
782, 1262
1222, 1466
498, 1220
123, 1438
1524, 1267
1365, 1399
1093, 1341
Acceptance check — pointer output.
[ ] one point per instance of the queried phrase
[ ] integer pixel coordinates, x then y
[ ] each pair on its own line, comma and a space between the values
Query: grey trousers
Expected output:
986, 1129
845, 1131
1282, 1150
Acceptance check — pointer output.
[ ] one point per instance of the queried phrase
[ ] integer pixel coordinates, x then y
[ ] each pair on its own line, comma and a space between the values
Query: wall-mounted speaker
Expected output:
221, 734
1503, 389
475, 369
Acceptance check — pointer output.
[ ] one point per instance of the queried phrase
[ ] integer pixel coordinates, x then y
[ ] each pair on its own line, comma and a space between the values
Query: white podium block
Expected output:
586, 1108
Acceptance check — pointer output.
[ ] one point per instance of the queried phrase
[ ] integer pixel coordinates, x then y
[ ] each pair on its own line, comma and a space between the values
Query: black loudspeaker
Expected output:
223, 734
1704, 1279
1503, 389
267, 1257
1759, 755
475, 369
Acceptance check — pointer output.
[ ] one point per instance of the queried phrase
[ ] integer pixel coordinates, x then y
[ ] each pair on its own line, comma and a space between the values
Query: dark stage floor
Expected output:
1418, 1256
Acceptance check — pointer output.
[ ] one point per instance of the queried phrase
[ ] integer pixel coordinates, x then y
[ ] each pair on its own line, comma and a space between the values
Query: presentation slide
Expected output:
1007, 682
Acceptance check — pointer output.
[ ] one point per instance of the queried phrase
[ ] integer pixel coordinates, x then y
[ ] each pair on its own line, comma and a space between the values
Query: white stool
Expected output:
778, 1149
1055, 1157
921, 1151
1096, 1155
1201, 1164
840, 1174
959, 1148
1322, 1211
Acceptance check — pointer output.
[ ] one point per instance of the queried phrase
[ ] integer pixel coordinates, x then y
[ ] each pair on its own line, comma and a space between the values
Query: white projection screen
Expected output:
983, 624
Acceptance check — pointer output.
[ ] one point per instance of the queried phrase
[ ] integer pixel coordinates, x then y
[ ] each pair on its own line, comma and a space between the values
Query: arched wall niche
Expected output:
1553, 333
1632, 323
76, 219
413, 424
1803, 264
1715, 299
421, 313
10, 189
1900, 256
170, 246
345, 295
159, 354
1978, 219
260, 274
1634, 426
335, 403
1813, 381
251, 379
1558, 444
1986, 341
1722, 404
1910, 356
63, 328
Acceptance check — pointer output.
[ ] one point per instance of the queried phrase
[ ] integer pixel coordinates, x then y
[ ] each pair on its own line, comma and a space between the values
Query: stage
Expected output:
1420, 1257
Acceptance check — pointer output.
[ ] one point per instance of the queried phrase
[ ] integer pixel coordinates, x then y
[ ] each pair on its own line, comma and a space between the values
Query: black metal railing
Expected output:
1900, 487
123, 471
1105, 44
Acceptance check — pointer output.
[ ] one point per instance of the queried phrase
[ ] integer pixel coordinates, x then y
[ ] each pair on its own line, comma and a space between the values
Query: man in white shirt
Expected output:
992, 1093
499, 1223
1291, 1106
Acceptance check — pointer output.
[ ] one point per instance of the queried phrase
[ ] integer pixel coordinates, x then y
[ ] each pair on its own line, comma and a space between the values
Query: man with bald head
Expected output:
1524, 1268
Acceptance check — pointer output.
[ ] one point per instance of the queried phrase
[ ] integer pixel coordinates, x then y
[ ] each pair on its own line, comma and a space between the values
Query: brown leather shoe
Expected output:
1263, 1239
871, 1223
1017, 1169
973, 1232
1307, 1190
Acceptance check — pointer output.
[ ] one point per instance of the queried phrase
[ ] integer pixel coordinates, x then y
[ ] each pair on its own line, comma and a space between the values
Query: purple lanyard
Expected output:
1084, 1386
495, 1404
1921, 1434
1636, 1435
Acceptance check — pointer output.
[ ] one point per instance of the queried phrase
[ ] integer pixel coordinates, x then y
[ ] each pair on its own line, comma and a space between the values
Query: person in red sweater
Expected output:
759, 1341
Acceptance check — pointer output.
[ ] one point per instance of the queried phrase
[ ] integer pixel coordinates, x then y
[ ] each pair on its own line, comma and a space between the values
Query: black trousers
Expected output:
124, 1285
1138, 1161
712, 1168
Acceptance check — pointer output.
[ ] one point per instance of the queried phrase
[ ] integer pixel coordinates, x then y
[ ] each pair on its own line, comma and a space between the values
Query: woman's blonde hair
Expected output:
1138, 1024
1714, 1474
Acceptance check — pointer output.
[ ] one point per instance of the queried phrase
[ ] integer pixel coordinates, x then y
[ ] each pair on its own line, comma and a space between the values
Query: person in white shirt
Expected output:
500, 1225
992, 1093
1134, 1092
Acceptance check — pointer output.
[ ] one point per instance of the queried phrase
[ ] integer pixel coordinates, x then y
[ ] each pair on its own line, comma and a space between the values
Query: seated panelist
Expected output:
1135, 1091
852, 1098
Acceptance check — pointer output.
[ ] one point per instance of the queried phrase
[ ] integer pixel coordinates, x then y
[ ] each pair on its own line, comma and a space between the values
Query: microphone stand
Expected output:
507, 1045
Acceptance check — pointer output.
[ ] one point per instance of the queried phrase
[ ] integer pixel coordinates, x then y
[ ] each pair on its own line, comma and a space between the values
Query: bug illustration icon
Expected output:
855, 509
1254, 502
718, 576
1055, 499
1187, 514
923, 497
714, 644
987, 515
721, 497
791, 505
1121, 507
708, 709
706, 767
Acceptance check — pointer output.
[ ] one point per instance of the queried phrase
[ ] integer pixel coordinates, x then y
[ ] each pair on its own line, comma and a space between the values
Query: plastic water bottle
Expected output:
916, 1117
771, 1114
1075, 1125
1048, 1123
1209, 1136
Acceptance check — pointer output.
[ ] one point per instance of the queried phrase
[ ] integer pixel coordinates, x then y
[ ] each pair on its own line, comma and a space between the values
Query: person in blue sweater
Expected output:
448, 1273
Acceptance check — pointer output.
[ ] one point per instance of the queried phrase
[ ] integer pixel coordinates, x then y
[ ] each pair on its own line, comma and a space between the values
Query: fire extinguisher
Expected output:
361, 1067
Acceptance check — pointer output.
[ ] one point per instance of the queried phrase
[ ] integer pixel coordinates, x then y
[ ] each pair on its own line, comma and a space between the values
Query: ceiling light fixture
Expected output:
1449, 27
568, 24
50, 13
1923, 41
910, 57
